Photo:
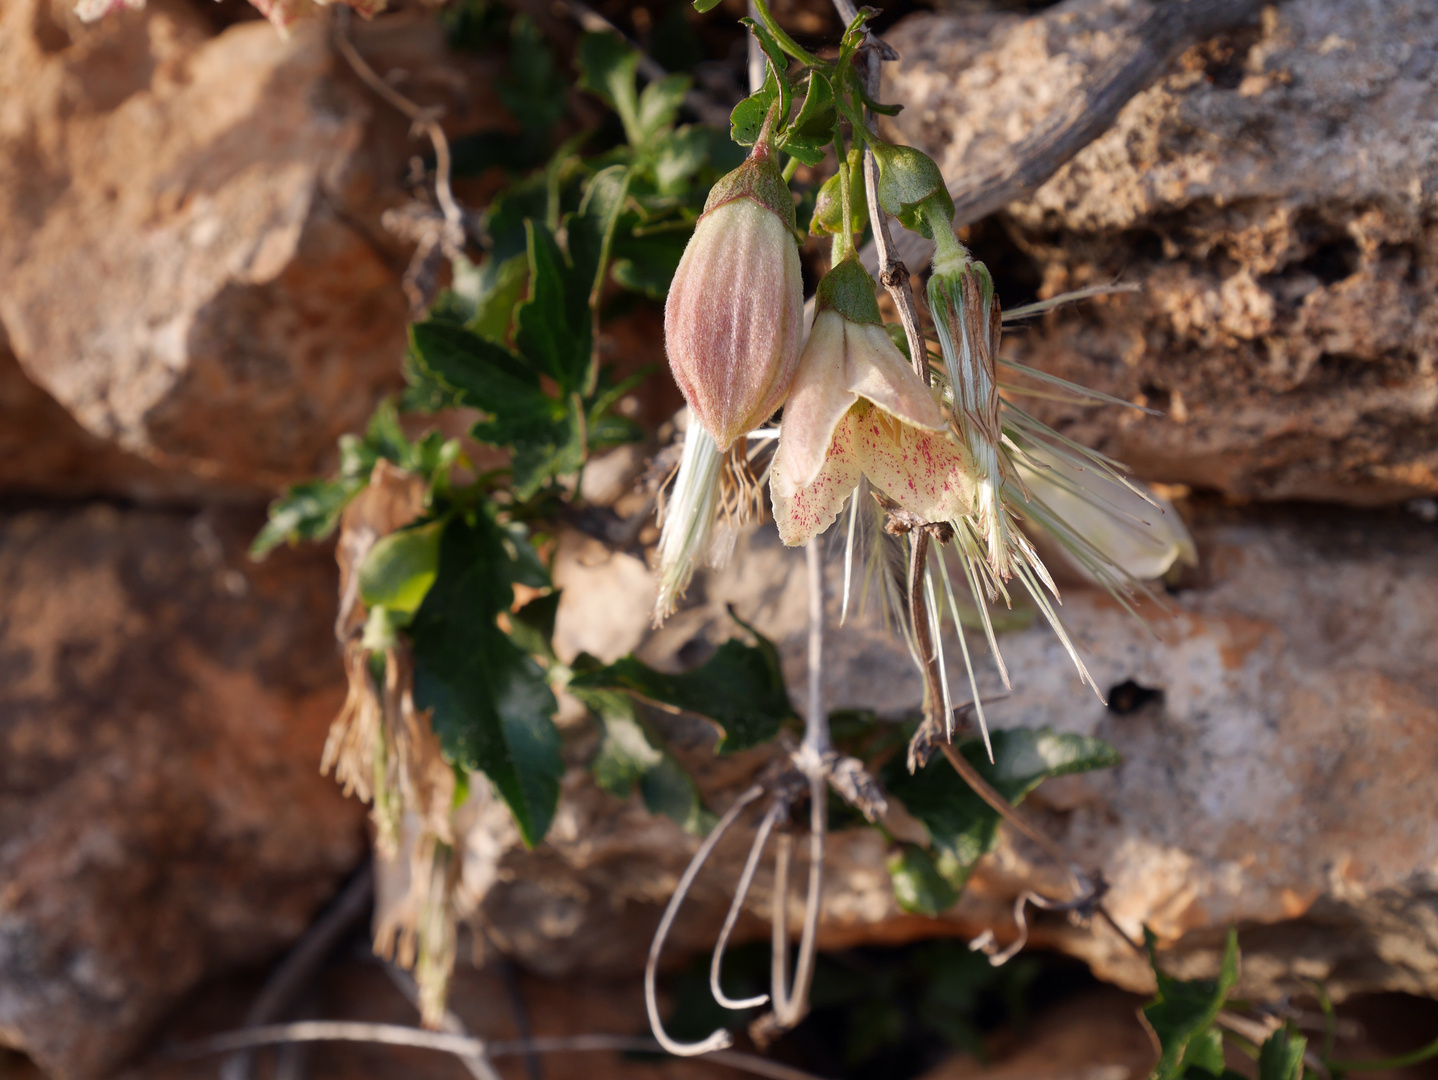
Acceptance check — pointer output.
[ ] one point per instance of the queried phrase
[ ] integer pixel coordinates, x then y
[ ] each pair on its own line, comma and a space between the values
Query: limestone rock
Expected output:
162, 816
1277, 735
1275, 197
192, 262
44, 452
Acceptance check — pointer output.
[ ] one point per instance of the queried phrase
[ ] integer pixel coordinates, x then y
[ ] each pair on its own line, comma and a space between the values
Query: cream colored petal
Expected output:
817, 402
875, 369
812, 509
923, 471
1137, 537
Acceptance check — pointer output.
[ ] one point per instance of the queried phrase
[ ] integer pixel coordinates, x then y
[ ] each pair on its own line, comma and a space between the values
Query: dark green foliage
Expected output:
311, 510
1182, 1015
740, 688
628, 757
919, 887
1281, 1056
492, 706
962, 827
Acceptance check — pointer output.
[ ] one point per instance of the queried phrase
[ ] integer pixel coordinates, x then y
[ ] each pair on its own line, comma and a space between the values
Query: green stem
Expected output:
788, 44
591, 379
790, 168
843, 239
1402, 1061
950, 256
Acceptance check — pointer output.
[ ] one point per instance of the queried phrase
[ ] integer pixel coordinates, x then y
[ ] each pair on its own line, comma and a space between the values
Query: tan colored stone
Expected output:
162, 816
1273, 197
1278, 784
194, 265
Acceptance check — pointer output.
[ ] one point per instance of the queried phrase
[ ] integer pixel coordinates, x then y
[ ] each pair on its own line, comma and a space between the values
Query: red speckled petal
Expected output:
922, 471
813, 508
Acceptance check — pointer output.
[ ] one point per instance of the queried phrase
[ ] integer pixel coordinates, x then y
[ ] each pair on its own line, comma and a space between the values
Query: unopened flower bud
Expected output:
734, 317
828, 210
911, 187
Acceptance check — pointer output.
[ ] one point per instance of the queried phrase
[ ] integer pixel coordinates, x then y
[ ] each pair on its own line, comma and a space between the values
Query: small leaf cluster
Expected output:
515, 341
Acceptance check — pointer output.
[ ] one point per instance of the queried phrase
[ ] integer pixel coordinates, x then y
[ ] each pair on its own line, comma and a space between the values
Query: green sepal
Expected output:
849, 290
908, 179
828, 206
758, 179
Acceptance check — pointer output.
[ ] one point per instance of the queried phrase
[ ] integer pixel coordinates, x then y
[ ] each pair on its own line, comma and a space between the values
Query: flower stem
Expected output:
788, 44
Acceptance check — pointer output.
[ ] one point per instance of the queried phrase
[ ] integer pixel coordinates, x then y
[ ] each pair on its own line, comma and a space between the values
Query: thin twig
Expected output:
746, 880
425, 120
301, 963
893, 274
476, 1061
718, 1039
984, 790
399, 1035
926, 646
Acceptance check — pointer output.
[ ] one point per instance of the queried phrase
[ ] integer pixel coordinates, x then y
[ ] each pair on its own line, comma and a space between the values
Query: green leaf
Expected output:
810, 151
778, 66
817, 115
535, 90
590, 231
962, 827
554, 322
679, 155
607, 69
740, 688
1281, 1056
628, 757
493, 290
489, 376
702, 6
400, 568
747, 119
659, 106
919, 887
492, 708
1182, 1015
308, 511
532, 626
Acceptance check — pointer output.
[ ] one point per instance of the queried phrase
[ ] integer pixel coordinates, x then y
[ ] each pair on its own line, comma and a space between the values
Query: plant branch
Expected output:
400, 1035
720, 1038
984, 790
425, 120
892, 272
301, 963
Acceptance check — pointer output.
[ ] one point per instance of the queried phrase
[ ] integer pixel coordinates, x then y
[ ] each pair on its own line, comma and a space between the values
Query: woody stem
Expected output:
923, 639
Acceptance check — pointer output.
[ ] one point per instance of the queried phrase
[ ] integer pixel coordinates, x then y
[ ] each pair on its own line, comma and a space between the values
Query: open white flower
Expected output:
857, 408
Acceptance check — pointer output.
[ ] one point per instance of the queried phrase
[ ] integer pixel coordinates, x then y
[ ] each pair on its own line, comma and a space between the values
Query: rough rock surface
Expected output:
44, 452
1274, 773
1276, 197
162, 819
193, 264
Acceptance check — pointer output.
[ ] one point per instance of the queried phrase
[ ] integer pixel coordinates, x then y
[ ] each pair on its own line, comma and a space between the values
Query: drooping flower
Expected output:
734, 317
859, 409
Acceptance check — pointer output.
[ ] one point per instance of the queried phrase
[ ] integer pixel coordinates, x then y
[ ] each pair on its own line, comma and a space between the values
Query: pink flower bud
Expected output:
734, 318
